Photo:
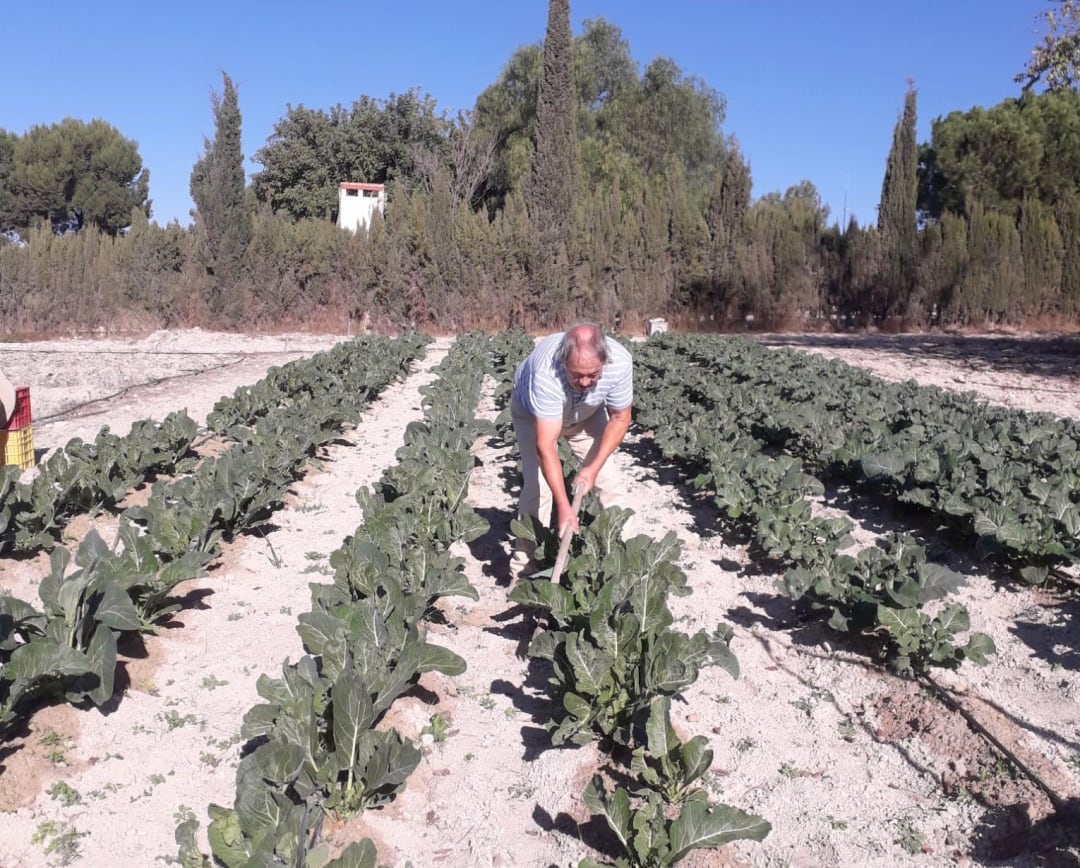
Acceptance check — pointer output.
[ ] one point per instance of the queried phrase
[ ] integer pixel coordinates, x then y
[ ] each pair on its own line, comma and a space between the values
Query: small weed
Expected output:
56, 746
745, 744
713, 784
183, 814
60, 839
469, 757
175, 720
438, 728
154, 780
310, 507
225, 743
847, 730
1073, 762
275, 560
1002, 769
314, 556
808, 703
65, 794
964, 796
834, 823
285, 610
147, 686
321, 569
51, 738
487, 702
210, 682
510, 711
790, 771
235, 616
209, 759
909, 838
105, 791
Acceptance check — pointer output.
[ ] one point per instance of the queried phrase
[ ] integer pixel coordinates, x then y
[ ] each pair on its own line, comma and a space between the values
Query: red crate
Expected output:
17, 447
20, 417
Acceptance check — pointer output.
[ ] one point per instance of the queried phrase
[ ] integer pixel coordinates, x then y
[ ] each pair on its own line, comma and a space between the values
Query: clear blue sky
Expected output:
813, 90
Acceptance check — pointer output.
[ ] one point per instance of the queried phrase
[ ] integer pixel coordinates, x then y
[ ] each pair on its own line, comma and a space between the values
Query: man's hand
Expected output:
586, 478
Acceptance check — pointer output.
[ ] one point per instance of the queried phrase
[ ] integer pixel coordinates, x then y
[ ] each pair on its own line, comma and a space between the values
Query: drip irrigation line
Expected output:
62, 414
1062, 807
1018, 388
87, 352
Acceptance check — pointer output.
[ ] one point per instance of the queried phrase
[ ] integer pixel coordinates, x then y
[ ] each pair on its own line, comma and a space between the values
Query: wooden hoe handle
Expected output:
564, 541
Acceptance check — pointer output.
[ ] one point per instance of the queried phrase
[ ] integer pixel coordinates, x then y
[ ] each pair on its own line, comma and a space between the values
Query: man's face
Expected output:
582, 371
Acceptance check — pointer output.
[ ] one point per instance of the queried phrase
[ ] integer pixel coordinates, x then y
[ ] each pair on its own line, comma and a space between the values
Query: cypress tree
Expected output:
217, 188
1043, 251
1067, 216
551, 191
726, 216
896, 213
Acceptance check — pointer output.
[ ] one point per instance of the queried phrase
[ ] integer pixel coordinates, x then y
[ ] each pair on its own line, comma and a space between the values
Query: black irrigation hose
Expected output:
239, 357
82, 352
1019, 388
1062, 807
153, 382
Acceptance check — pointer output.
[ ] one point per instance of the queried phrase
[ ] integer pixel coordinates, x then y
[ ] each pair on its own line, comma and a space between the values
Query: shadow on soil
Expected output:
594, 833
1056, 640
488, 549
1044, 356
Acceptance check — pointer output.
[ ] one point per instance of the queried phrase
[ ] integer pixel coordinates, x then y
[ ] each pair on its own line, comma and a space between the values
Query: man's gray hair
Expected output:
583, 338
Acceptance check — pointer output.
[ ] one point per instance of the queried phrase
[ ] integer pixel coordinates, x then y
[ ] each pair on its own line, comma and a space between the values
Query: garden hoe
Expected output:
564, 541
556, 572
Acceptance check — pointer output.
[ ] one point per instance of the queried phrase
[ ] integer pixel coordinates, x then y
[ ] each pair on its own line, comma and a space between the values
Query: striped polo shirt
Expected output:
542, 390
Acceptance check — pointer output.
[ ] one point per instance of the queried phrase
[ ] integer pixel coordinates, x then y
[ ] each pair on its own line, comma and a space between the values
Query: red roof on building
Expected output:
353, 185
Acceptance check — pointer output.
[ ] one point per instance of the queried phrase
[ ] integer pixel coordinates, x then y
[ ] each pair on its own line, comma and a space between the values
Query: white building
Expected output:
357, 202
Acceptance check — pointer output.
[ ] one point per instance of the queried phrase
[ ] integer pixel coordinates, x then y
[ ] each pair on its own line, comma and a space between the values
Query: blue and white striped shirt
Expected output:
542, 389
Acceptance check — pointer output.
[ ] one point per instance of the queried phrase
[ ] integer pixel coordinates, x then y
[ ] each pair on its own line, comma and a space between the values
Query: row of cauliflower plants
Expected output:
86, 477
880, 592
616, 662
314, 748
68, 648
1007, 480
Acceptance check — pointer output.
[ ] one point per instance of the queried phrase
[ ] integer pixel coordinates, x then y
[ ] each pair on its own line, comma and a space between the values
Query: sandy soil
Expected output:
851, 766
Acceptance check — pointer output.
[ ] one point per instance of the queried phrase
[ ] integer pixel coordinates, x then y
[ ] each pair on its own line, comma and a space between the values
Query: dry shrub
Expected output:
1051, 323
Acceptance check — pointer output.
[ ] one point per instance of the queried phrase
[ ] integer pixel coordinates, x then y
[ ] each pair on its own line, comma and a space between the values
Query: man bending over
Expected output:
578, 385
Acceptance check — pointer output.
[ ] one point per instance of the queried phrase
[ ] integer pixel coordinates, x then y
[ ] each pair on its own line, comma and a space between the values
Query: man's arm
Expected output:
618, 424
548, 432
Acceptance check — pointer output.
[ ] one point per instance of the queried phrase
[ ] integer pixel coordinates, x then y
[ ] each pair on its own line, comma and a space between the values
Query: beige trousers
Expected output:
584, 439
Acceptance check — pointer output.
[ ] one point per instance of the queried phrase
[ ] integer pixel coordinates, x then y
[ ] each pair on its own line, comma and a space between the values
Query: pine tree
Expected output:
217, 188
896, 213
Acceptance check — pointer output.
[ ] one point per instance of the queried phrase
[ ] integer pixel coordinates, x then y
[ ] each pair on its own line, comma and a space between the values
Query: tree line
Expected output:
578, 185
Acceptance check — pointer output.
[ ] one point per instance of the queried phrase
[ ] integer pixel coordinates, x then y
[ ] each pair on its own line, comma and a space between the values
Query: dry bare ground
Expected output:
851, 766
